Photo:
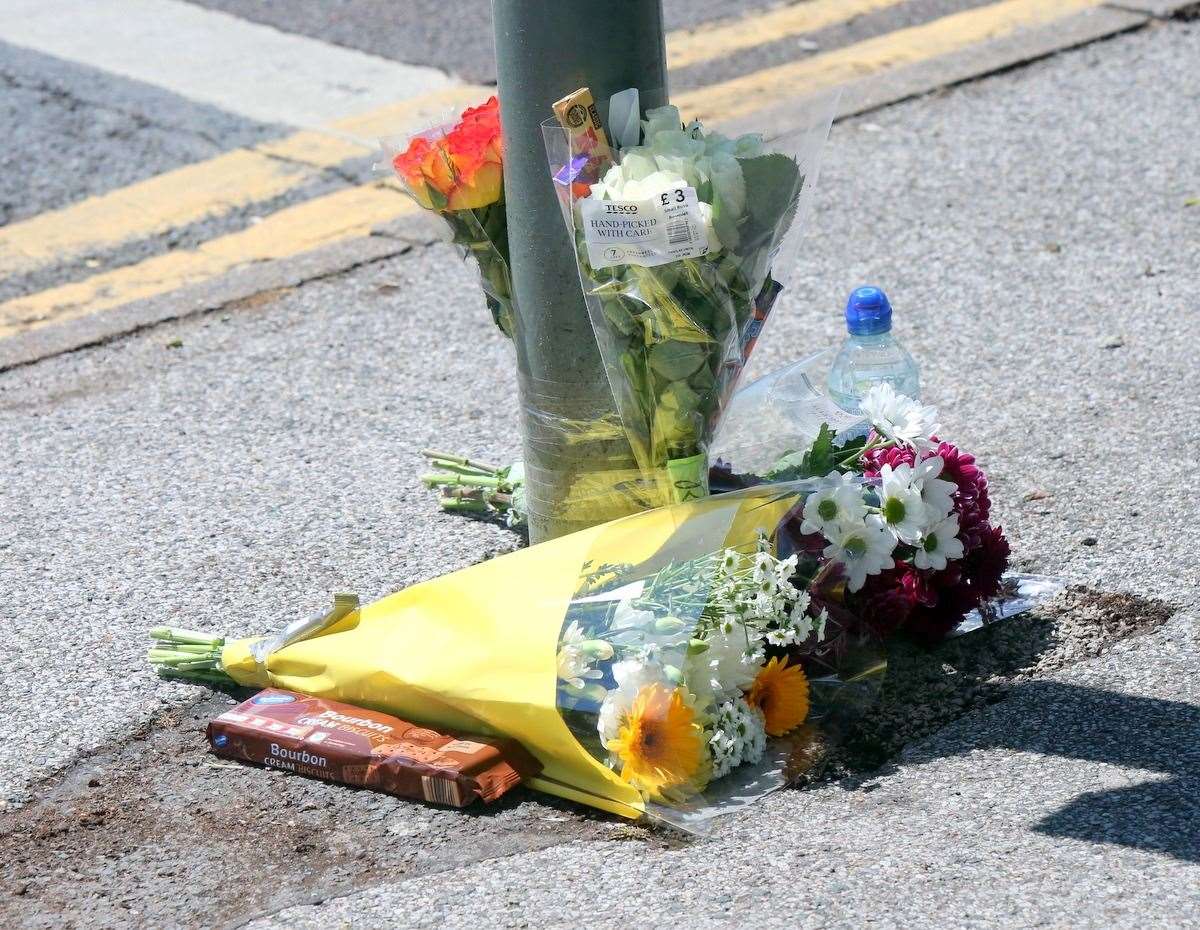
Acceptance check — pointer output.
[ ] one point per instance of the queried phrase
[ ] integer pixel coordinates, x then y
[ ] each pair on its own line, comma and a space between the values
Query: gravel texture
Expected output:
228, 472
153, 827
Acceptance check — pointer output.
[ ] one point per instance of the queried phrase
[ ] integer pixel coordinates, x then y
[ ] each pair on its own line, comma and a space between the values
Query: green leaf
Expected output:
852, 447
816, 462
439, 200
773, 184
675, 361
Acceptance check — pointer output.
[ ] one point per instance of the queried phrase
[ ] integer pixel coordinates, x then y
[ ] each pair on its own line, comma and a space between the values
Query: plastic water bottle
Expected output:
870, 354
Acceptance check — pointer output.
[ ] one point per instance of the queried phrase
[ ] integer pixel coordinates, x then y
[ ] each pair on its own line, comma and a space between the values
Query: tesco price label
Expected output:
650, 232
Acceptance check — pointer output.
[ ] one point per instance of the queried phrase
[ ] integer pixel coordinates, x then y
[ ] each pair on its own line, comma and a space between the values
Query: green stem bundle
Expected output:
188, 654
468, 486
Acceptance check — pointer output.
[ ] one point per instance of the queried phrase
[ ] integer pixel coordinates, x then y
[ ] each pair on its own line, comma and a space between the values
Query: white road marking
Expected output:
244, 68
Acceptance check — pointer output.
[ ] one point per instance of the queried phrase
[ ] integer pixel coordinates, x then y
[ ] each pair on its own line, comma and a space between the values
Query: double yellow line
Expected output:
240, 179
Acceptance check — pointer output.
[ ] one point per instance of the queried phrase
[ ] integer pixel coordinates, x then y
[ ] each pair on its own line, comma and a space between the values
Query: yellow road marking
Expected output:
755, 91
213, 188
718, 40
155, 205
342, 215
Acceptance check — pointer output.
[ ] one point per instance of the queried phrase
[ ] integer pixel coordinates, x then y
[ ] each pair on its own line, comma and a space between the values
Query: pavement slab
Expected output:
1038, 234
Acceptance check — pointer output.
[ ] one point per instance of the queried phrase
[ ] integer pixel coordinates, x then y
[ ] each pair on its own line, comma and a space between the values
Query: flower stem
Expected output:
458, 460
869, 447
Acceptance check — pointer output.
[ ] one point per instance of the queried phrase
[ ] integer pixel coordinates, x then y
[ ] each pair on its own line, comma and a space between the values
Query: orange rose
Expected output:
462, 170
426, 170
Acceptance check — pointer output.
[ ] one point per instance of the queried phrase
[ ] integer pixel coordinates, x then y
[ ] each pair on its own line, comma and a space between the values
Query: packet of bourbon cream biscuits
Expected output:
343, 743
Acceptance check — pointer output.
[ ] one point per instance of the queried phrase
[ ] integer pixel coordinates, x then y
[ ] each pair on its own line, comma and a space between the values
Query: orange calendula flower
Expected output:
661, 743
460, 170
780, 691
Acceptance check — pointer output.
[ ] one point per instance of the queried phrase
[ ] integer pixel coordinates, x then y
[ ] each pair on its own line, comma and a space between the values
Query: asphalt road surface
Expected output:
1038, 232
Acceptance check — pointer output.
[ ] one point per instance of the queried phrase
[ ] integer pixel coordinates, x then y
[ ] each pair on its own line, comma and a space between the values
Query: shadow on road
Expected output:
1147, 734
926, 690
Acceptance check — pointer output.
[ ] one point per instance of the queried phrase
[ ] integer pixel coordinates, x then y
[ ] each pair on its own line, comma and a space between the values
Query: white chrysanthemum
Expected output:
898, 417
900, 503
767, 605
728, 664
737, 736
630, 675
839, 501
800, 605
936, 493
628, 617
576, 654
784, 636
940, 544
862, 549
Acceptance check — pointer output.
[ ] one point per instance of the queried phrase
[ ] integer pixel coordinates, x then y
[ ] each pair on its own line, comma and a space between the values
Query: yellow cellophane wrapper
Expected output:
476, 650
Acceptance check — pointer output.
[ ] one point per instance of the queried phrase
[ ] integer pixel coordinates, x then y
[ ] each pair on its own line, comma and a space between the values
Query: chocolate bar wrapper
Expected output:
355, 746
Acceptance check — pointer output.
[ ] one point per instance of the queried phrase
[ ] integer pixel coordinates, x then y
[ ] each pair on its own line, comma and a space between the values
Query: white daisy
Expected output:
900, 503
783, 574
784, 636
839, 501
764, 567
801, 625
898, 417
799, 607
862, 549
940, 543
936, 493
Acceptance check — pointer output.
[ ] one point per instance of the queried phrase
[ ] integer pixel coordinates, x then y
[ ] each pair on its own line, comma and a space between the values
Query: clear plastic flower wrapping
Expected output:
684, 242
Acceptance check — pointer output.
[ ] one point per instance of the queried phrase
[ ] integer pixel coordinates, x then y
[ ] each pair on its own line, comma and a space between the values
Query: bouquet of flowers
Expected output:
643, 661
458, 172
683, 242
676, 678
905, 514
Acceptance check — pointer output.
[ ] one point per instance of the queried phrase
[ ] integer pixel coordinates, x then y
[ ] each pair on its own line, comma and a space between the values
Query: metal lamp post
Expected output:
544, 50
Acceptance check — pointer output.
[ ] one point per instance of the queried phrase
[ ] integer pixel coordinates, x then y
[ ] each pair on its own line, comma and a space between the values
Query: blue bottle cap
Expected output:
868, 312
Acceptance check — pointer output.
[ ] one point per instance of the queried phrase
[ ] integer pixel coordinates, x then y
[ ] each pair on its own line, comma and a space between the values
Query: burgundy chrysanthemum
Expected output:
955, 598
884, 601
971, 500
984, 566
874, 460
923, 586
